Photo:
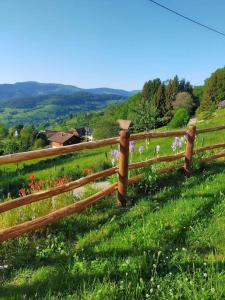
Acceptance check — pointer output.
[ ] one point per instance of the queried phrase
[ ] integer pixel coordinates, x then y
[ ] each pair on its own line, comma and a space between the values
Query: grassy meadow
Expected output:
168, 243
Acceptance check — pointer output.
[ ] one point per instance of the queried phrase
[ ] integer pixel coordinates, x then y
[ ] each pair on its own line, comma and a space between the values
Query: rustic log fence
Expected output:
122, 171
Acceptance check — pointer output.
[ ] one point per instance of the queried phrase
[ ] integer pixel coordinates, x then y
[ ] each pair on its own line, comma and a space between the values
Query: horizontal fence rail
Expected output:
24, 156
155, 160
121, 170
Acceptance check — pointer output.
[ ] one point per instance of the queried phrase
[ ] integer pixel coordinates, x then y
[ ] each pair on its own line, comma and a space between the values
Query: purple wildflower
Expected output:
141, 149
131, 146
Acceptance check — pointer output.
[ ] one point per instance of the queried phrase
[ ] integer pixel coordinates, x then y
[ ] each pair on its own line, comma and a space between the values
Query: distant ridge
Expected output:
35, 89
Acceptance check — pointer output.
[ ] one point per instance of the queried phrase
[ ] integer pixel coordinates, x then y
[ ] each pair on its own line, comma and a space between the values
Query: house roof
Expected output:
49, 133
60, 137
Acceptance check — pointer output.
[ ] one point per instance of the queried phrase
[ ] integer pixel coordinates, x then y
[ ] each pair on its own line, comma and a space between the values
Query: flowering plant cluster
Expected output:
114, 156
35, 185
178, 143
88, 171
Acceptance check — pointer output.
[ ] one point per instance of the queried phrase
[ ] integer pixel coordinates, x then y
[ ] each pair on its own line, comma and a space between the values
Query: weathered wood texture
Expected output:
189, 148
154, 160
214, 157
54, 216
10, 204
19, 157
149, 135
209, 147
204, 130
123, 167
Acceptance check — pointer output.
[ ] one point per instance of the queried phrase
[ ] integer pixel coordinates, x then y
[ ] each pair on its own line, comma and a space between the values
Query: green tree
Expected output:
3, 131
214, 91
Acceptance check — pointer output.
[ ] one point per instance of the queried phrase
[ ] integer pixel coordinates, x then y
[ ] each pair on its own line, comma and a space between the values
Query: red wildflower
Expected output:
88, 171
22, 191
32, 177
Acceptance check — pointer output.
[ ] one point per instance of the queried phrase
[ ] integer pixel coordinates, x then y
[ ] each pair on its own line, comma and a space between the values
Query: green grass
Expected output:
167, 244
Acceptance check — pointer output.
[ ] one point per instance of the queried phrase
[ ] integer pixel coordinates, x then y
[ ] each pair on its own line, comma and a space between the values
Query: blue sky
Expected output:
113, 43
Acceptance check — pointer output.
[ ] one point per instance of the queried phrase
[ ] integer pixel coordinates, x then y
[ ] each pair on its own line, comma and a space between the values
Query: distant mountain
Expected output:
35, 103
81, 99
34, 89
43, 109
103, 90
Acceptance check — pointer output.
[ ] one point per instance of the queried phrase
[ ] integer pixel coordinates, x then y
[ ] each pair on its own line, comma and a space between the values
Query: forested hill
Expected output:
33, 89
41, 110
41, 103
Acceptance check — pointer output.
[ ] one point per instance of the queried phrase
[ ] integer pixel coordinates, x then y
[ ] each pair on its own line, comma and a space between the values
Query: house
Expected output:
222, 104
64, 138
61, 138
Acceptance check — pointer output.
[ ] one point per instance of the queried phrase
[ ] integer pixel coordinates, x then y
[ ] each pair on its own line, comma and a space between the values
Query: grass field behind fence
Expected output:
168, 244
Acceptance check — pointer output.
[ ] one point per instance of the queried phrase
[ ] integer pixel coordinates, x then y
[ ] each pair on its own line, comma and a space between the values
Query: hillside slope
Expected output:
167, 244
46, 108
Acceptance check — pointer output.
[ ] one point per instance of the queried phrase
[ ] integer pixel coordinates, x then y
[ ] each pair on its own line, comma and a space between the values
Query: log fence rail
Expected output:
122, 171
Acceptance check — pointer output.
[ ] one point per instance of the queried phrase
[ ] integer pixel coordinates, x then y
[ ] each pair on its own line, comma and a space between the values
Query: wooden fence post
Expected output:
189, 148
123, 166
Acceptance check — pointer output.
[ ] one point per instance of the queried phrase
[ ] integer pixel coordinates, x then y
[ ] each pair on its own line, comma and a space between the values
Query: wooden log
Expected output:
10, 204
123, 167
141, 136
138, 177
209, 147
23, 156
213, 157
54, 216
204, 130
170, 168
189, 148
154, 160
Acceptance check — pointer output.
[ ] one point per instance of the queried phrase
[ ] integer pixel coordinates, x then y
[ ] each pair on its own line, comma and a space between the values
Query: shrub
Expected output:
180, 118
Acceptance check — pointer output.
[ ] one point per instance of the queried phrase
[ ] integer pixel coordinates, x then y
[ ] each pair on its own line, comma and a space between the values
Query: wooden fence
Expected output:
122, 171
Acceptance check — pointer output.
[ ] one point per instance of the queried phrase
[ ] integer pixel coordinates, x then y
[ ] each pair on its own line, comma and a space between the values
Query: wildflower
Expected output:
205, 275
88, 171
141, 149
22, 192
158, 286
157, 149
131, 146
113, 161
32, 177
151, 291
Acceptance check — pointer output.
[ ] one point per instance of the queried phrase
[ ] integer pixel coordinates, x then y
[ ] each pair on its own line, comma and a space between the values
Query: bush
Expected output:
180, 118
